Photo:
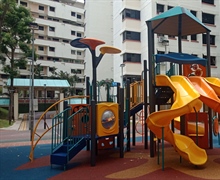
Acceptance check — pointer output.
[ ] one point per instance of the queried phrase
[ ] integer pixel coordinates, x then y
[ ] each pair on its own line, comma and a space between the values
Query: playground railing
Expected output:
72, 129
137, 93
58, 129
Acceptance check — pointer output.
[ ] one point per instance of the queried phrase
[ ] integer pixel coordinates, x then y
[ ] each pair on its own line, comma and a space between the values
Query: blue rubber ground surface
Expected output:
13, 157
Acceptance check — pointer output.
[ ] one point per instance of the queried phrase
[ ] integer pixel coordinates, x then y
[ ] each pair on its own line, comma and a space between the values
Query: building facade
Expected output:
59, 22
121, 24
130, 34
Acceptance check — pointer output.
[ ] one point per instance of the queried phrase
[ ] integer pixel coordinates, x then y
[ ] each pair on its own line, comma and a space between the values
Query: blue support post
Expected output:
65, 118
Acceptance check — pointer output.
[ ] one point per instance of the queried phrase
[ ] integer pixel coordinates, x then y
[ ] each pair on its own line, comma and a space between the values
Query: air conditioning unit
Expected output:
161, 39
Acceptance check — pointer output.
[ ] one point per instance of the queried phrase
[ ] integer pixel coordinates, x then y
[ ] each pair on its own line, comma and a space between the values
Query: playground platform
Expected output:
136, 164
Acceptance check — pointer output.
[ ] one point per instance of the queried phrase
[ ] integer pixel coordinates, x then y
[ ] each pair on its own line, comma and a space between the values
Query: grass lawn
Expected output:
4, 123
4, 115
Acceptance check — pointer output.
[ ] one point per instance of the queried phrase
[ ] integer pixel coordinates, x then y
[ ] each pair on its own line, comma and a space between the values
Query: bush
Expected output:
3, 113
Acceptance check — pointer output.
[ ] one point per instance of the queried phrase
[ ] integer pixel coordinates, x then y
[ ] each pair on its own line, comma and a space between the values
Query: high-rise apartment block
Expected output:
130, 33
120, 23
59, 22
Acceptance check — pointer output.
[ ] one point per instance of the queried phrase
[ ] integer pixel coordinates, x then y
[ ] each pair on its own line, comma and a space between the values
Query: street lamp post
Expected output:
122, 66
45, 96
33, 27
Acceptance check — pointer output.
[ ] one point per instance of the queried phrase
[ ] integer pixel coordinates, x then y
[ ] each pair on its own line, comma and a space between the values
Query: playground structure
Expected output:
93, 123
180, 22
88, 124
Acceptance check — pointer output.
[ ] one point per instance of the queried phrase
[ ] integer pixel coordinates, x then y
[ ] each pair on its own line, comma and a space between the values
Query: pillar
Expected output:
60, 105
15, 106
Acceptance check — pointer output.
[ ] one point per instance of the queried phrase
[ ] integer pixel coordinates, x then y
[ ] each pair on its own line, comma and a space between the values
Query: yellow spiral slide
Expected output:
186, 100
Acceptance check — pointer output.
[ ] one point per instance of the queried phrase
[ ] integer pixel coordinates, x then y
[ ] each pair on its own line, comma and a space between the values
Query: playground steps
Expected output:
163, 94
63, 154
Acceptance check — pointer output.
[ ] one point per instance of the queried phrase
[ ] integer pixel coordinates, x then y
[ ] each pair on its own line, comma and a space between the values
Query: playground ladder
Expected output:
69, 135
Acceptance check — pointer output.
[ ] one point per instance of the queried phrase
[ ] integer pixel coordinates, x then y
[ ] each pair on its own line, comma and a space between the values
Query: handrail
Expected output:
34, 144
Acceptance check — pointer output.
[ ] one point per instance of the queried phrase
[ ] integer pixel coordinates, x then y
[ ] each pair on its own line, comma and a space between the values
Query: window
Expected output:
4, 76
130, 57
52, 9
22, 67
129, 13
65, 41
56, 39
52, 49
169, 7
131, 35
41, 17
41, 28
160, 8
212, 60
41, 37
79, 16
193, 12
23, 3
79, 53
172, 37
51, 69
212, 39
184, 37
208, 18
55, 59
49, 58
73, 14
73, 33
76, 71
208, 1
79, 35
73, 52
41, 8
160, 52
194, 37
41, 57
40, 48
54, 19
51, 28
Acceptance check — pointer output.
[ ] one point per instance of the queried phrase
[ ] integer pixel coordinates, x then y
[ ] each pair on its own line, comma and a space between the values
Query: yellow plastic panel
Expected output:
107, 119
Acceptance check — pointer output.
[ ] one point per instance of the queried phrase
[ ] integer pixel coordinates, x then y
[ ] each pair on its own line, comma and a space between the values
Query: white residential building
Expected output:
130, 33
59, 22
121, 24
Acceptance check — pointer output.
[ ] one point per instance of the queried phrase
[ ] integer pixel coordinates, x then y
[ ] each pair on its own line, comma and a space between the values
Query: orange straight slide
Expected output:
214, 83
186, 99
207, 94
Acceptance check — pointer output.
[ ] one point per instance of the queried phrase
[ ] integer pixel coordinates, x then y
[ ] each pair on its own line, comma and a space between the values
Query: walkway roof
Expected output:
53, 83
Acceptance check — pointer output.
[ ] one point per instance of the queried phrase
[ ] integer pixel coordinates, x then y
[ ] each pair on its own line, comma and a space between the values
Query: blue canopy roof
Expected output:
177, 20
180, 58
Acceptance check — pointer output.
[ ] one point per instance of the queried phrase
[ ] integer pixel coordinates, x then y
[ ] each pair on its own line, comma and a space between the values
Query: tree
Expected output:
5, 6
37, 71
72, 80
107, 83
15, 34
